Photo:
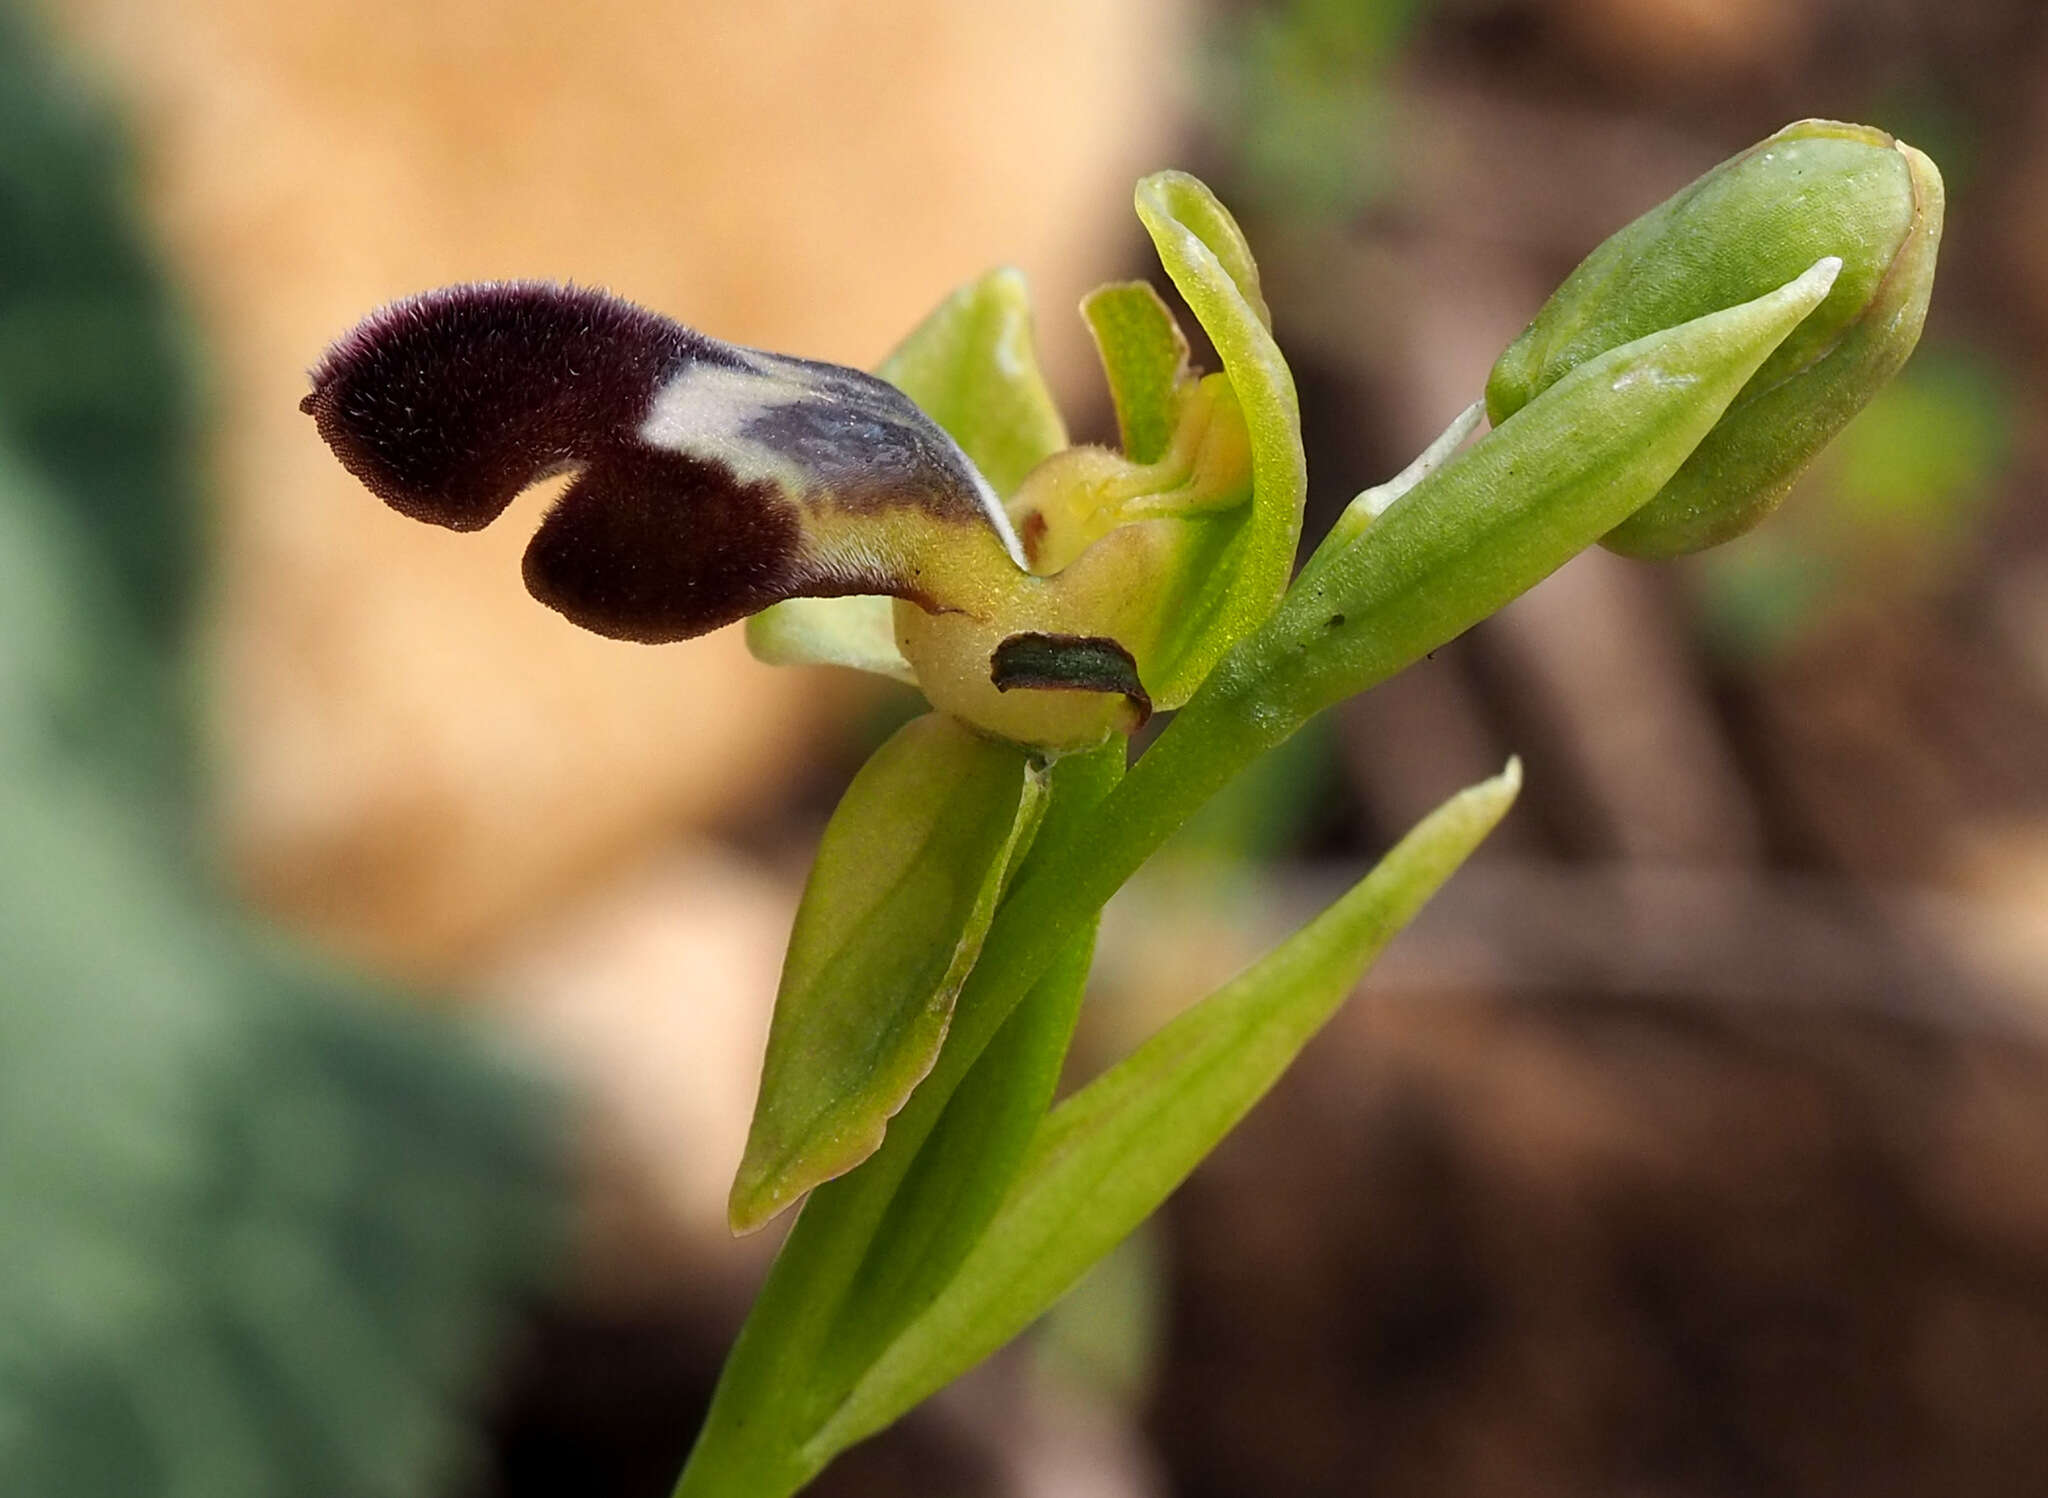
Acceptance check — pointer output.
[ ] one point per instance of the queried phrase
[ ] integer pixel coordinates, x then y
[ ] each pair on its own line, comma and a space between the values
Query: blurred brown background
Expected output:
1696, 1142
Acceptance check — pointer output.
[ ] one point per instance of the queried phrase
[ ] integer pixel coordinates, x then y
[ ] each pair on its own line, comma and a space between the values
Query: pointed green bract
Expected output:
893, 915
972, 366
858, 632
964, 1170
1144, 359
1512, 508
1112, 1153
1239, 565
1815, 188
872, 1248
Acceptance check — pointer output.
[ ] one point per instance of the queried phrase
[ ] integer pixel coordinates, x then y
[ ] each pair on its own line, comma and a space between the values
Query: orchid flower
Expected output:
1041, 593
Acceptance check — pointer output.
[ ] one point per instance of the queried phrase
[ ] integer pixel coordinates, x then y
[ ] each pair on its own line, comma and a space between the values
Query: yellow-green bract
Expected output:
1097, 1166
1503, 514
1815, 188
892, 918
1105, 1158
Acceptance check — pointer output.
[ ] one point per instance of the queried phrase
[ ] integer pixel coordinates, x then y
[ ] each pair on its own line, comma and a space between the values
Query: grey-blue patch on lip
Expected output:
865, 459
836, 437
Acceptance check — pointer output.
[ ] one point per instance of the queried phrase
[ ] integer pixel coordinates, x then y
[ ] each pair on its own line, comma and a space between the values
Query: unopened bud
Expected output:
1817, 188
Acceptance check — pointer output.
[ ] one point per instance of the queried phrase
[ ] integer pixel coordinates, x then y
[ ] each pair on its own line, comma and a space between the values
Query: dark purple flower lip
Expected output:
711, 480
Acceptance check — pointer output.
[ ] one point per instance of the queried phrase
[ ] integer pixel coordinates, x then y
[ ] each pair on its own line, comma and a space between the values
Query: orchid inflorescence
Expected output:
933, 523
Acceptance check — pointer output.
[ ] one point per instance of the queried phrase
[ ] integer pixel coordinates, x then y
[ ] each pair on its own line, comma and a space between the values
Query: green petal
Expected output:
1112, 1153
857, 632
1144, 358
1238, 561
972, 366
892, 918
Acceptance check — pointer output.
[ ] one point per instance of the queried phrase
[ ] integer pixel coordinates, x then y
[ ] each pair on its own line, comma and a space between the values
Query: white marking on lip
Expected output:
704, 408
992, 506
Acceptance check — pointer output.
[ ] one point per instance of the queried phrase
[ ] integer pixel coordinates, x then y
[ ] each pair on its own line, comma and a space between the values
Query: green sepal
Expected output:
1144, 360
1235, 562
1816, 188
893, 915
1109, 1155
858, 632
972, 366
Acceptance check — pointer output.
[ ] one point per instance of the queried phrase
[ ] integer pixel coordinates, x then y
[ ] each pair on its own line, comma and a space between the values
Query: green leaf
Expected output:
1251, 551
872, 1248
1144, 358
1112, 1153
892, 918
972, 366
858, 632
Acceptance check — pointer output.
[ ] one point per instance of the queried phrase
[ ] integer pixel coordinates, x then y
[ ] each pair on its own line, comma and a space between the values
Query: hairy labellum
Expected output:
711, 480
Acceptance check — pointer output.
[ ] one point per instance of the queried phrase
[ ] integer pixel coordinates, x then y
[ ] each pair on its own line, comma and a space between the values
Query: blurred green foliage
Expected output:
1273, 810
1296, 92
257, 1222
1104, 1338
96, 386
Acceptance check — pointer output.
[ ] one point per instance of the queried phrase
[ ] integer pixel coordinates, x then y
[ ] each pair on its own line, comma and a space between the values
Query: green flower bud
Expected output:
1816, 188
